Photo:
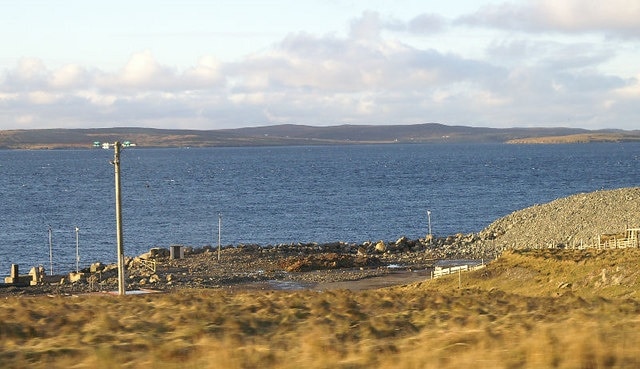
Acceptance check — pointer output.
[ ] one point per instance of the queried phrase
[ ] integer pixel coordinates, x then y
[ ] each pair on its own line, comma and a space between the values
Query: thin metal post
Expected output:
429, 221
219, 234
50, 251
116, 165
77, 249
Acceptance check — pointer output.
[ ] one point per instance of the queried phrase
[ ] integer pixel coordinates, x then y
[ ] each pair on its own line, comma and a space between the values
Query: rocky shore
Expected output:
566, 222
286, 266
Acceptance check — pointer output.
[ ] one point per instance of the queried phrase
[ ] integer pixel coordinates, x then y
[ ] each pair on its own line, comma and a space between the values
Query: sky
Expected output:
199, 64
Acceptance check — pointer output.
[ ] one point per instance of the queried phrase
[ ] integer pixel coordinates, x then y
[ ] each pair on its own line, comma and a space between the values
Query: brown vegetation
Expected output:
326, 261
529, 309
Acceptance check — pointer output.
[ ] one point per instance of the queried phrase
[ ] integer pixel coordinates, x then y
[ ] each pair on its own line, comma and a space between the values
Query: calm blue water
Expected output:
282, 194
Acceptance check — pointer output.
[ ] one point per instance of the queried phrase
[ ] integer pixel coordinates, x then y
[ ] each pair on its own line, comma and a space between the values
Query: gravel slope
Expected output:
567, 221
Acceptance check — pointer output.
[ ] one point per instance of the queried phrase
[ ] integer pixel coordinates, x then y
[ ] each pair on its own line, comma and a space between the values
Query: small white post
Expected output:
77, 249
429, 221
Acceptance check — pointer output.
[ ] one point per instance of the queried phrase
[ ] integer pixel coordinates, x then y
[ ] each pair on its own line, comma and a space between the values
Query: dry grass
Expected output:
510, 315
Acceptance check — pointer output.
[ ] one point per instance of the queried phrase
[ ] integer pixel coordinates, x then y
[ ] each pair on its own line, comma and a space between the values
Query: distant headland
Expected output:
291, 134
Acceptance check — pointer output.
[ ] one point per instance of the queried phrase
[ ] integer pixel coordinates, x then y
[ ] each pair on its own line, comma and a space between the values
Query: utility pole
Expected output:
116, 165
429, 221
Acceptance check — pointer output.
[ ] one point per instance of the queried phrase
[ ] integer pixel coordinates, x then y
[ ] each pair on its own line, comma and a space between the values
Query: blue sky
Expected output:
225, 64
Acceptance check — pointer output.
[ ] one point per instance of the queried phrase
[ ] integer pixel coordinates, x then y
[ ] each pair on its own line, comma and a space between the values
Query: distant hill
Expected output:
290, 134
580, 138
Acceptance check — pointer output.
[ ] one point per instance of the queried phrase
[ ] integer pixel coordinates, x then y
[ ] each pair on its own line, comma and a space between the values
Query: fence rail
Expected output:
622, 240
612, 244
149, 264
440, 271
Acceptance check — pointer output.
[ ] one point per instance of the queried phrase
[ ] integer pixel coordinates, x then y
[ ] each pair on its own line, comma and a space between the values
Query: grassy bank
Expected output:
529, 309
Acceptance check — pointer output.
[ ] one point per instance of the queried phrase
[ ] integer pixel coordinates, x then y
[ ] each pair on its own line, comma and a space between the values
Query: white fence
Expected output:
612, 244
440, 271
622, 240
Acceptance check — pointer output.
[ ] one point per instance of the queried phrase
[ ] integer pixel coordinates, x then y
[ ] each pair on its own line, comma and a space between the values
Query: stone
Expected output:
109, 268
96, 267
76, 277
36, 276
16, 278
381, 247
564, 285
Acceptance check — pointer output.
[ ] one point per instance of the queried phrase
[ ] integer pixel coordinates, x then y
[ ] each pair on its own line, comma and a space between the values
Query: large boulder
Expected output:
96, 267
402, 241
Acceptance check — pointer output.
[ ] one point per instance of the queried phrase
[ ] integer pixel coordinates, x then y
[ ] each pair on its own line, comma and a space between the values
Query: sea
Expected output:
58, 206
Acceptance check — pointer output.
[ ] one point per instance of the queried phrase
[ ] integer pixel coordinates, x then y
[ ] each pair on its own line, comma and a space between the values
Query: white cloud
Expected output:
613, 17
369, 76
586, 15
25, 119
427, 23
69, 76
96, 98
142, 71
367, 27
42, 97
631, 90
30, 73
205, 74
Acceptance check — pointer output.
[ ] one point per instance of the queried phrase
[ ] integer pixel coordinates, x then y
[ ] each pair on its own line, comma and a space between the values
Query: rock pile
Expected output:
568, 221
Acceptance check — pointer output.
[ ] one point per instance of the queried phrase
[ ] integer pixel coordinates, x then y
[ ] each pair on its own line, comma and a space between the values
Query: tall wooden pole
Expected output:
116, 165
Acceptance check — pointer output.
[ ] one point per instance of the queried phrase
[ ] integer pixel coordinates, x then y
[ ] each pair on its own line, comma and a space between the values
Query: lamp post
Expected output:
429, 221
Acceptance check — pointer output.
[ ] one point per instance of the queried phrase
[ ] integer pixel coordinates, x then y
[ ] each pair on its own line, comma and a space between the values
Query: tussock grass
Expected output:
513, 314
